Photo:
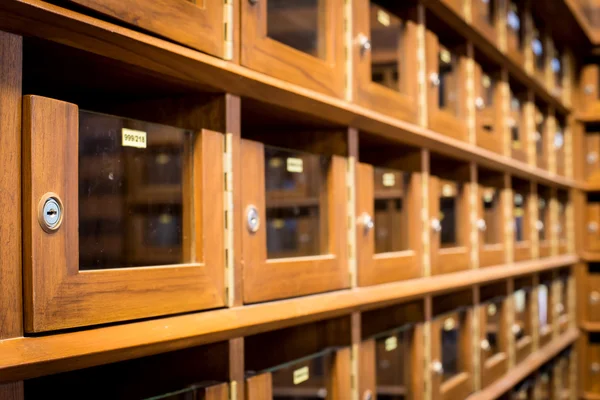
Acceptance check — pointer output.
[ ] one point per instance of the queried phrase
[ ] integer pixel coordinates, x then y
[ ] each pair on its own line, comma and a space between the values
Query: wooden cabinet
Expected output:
299, 42
590, 371
306, 361
449, 210
592, 157
489, 126
205, 25
518, 123
391, 353
451, 349
385, 57
295, 233
388, 211
589, 90
83, 269
543, 225
592, 293
522, 328
492, 198
592, 221
446, 86
542, 136
493, 331
522, 211
516, 22
175, 375
485, 18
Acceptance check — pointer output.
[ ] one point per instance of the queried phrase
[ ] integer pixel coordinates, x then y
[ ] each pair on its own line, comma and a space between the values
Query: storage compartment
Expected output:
541, 136
451, 346
446, 88
177, 375
385, 56
589, 90
559, 80
492, 198
543, 225
592, 292
309, 361
592, 157
518, 122
301, 42
205, 25
522, 328
294, 199
522, 211
485, 18
493, 327
592, 236
449, 186
388, 211
515, 32
489, 126
391, 352
590, 371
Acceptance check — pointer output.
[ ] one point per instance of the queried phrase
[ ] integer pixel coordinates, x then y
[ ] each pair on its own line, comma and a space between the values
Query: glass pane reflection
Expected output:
451, 343
449, 214
130, 199
386, 47
299, 24
296, 201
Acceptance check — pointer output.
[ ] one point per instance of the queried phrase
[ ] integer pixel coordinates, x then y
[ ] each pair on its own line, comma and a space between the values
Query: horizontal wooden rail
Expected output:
28, 357
526, 368
590, 326
200, 71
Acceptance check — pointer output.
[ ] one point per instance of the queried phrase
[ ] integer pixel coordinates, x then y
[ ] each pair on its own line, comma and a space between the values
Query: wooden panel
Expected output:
52, 277
12, 391
340, 387
197, 24
367, 372
259, 387
11, 322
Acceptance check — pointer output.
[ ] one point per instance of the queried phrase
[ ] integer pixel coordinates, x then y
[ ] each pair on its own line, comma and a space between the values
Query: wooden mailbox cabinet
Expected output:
489, 125
492, 198
205, 25
446, 86
493, 325
82, 265
298, 42
451, 346
449, 188
391, 352
592, 157
385, 56
522, 328
388, 214
295, 233
522, 212
305, 361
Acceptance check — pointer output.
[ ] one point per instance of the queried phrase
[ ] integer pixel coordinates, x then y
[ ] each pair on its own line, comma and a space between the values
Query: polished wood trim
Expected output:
11, 62
590, 326
73, 350
532, 363
41, 19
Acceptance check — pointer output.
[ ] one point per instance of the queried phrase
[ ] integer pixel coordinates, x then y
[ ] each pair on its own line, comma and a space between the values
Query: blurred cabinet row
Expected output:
143, 216
450, 84
473, 344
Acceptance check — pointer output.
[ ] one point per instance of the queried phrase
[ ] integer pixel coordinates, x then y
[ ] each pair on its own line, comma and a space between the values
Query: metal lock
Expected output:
367, 222
50, 212
364, 43
516, 329
539, 225
434, 78
592, 157
560, 308
436, 225
437, 367
479, 103
592, 227
481, 225
594, 297
589, 89
485, 345
368, 395
252, 219
595, 368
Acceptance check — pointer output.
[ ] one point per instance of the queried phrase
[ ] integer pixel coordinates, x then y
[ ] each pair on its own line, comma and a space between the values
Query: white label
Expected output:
301, 375
133, 138
294, 165
391, 343
383, 18
389, 179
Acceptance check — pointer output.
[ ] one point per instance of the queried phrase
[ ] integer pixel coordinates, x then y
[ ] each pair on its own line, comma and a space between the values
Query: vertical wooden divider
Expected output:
504, 88
529, 139
421, 66
535, 312
12, 391
351, 183
355, 321
510, 321
427, 356
532, 203
476, 339
549, 140
470, 94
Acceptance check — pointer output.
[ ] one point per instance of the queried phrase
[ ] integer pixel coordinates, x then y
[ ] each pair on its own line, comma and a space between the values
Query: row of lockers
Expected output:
151, 195
313, 361
303, 42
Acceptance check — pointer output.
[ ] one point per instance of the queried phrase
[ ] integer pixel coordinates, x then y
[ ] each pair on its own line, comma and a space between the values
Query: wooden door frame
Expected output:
57, 294
443, 121
375, 268
266, 55
270, 279
399, 104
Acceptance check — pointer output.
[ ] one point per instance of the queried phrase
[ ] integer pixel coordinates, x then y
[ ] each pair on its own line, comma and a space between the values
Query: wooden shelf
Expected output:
203, 72
29, 357
532, 363
590, 326
589, 256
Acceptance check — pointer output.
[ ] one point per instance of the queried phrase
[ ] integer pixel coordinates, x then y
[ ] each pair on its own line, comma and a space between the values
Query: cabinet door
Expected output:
387, 248
449, 208
489, 129
591, 365
301, 42
518, 125
515, 32
542, 134
589, 89
485, 18
593, 222
522, 210
592, 157
387, 71
490, 223
522, 328
593, 292
274, 202
69, 280
494, 343
199, 24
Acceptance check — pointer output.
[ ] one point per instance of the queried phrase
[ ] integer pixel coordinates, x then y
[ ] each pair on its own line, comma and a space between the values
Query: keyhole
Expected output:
52, 212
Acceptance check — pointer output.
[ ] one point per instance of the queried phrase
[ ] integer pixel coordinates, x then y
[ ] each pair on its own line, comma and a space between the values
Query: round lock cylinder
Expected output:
364, 43
50, 212
367, 222
252, 219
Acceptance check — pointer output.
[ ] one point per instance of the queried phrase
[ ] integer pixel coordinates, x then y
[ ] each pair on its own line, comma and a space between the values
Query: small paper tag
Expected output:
383, 18
301, 375
389, 179
294, 165
133, 138
391, 343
